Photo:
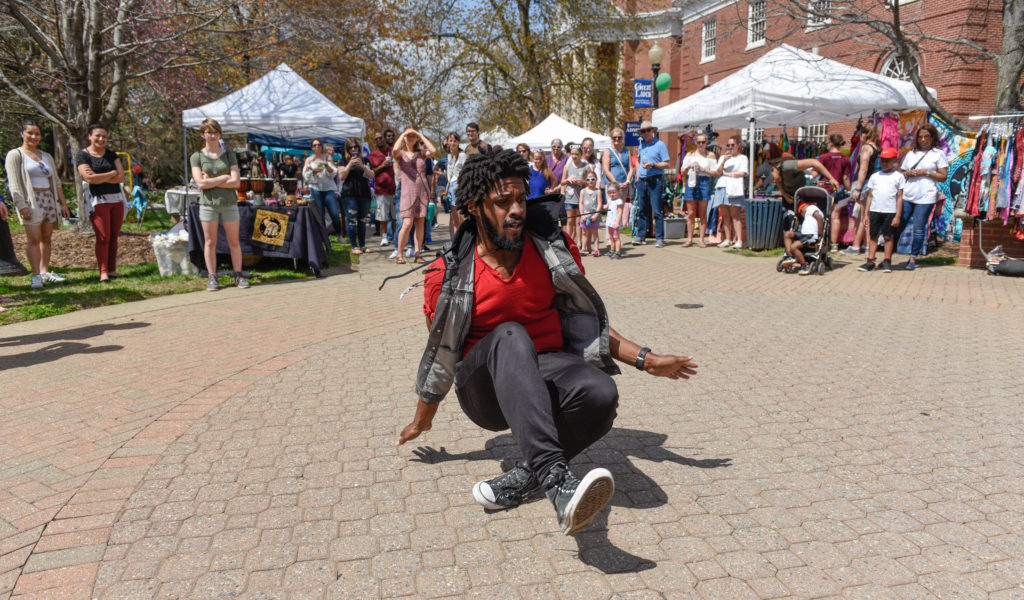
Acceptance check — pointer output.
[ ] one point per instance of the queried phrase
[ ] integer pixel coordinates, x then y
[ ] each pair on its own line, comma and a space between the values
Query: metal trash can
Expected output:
764, 223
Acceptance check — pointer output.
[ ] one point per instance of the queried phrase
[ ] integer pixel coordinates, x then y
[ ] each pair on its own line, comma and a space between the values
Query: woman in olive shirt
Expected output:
216, 173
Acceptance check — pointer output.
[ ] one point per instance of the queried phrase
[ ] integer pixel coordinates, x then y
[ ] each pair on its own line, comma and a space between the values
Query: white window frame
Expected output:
708, 37
758, 134
817, 132
752, 24
813, 21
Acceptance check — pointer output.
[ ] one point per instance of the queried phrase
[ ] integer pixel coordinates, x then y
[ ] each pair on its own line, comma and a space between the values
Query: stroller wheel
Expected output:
821, 268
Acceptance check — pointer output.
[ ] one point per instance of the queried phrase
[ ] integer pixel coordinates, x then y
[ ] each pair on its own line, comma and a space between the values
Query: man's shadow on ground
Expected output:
61, 345
613, 452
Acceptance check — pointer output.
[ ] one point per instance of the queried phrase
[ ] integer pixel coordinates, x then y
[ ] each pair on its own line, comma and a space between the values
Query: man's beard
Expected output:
501, 242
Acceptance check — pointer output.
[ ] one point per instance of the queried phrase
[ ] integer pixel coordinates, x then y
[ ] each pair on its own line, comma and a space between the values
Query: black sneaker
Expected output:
868, 266
577, 502
211, 284
886, 266
241, 281
507, 490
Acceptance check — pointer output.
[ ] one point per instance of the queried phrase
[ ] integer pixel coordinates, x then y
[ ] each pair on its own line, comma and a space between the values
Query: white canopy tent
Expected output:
280, 104
788, 86
497, 137
539, 138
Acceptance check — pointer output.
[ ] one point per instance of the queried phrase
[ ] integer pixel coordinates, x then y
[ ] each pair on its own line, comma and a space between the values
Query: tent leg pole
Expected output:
184, 182
750, 165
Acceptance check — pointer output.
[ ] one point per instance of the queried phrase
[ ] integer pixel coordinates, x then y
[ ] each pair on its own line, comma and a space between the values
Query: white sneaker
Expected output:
408, 252
394, 254
37, 282
384, 241
725, 244
738, 245
51, 277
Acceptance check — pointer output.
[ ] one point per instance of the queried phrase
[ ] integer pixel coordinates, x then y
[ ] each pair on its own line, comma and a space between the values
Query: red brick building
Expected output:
706, 41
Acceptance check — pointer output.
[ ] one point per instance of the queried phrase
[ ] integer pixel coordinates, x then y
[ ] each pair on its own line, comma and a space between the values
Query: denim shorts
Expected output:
700, 192
226, 214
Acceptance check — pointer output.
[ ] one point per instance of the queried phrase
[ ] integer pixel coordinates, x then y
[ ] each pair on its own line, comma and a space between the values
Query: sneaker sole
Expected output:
478, 495
594, 491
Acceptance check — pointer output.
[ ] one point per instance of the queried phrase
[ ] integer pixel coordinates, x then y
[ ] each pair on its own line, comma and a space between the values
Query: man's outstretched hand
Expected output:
411, 432
420, 423
673, 367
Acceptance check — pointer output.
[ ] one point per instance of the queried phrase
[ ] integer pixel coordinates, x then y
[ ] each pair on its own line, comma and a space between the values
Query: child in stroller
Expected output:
807, 243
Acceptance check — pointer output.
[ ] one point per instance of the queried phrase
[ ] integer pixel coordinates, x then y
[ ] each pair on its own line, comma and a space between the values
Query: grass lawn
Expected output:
83, 290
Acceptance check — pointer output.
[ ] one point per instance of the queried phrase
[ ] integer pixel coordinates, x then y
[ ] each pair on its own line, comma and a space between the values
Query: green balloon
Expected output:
663, 81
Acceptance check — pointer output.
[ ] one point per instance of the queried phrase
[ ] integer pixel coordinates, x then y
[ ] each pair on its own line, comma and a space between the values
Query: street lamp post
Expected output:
655, 55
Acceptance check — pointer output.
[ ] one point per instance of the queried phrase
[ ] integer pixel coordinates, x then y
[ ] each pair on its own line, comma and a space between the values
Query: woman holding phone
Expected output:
355, 195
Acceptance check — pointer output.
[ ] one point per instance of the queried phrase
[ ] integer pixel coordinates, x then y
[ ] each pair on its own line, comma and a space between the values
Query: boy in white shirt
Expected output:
811, 228
884, 205
614, 222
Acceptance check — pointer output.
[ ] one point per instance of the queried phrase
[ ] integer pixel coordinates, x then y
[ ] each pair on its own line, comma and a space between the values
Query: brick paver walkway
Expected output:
854, 435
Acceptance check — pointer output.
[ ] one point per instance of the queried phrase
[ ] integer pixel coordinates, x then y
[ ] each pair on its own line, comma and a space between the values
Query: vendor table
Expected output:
175, 200
306, 237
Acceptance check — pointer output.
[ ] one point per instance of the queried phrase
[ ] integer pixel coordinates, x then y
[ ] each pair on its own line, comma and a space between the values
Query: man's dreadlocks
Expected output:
481, 174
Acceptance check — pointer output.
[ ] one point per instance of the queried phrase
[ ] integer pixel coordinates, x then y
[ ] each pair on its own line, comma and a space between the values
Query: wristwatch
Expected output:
640, 357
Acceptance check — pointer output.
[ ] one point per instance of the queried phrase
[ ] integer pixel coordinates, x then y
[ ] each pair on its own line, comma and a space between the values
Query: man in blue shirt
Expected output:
652, 161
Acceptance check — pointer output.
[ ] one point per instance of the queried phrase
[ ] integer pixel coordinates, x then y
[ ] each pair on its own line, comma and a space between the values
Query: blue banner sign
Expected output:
632, 133
643, 93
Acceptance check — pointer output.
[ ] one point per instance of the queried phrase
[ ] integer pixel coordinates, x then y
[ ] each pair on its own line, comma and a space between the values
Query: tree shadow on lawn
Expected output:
634, 489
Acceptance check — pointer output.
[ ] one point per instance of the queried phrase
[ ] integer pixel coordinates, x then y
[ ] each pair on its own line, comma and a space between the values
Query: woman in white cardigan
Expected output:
36, 191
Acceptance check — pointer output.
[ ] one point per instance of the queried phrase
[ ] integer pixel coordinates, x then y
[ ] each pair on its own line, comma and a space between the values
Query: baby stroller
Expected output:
815, 254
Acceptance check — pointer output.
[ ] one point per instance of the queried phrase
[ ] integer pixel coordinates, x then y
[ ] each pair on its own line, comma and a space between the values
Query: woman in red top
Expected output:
412, 173
838, 164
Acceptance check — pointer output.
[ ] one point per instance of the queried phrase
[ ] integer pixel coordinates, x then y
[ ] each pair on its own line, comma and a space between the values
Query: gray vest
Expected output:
585, 329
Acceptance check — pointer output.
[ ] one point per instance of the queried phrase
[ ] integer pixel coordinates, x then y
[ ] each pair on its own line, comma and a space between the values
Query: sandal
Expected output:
703, 244
419, 259
400, 260
688, 244
365, 250
356, 251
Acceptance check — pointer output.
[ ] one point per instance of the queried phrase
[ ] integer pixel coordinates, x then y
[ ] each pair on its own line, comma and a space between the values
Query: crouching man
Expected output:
524, 337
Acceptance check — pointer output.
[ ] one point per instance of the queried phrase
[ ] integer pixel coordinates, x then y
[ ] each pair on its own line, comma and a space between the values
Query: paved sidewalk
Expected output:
856, 435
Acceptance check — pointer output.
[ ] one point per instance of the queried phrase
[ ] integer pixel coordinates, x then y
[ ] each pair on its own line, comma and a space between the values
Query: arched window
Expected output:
897, 69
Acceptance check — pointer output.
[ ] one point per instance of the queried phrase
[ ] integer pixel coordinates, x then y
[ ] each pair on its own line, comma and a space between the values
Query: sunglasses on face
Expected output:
616, 137
730, 145
704, 142
318, 145
591, 179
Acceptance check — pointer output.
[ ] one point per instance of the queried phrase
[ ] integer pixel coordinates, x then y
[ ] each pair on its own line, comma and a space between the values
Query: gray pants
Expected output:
556, 404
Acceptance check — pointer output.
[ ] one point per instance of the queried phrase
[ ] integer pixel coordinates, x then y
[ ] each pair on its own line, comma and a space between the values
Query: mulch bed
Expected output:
74, 249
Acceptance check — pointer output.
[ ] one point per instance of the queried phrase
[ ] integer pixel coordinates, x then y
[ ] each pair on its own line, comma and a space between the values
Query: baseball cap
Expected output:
889, 153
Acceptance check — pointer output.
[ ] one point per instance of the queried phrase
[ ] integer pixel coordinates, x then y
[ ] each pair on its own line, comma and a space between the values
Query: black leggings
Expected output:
556, 404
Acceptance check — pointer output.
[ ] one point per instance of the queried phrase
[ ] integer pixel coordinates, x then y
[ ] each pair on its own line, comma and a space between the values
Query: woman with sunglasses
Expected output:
318, 172
35, 190
355, 195
616, 165
698, 165
105, 204
728, 197
524, 151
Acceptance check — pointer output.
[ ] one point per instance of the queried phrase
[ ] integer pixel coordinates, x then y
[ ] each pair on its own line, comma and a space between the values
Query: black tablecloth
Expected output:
308, 242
